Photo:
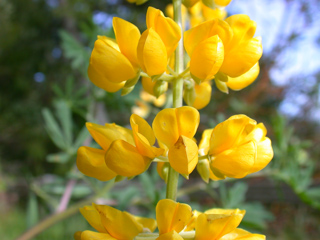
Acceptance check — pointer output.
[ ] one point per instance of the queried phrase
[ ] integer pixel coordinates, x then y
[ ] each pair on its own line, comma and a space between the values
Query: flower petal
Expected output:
124, 31
264, 155
203, 95
237, 161
225, 134
125, 159
105, 135
205, 142
245, 79
172, 215
110, 63
173, 235
90, 161
207, 58
214, 226
90, 235
115, 221
240, 234
152, 53
188, 119
149, 223
93, 217
183, 155
168, 30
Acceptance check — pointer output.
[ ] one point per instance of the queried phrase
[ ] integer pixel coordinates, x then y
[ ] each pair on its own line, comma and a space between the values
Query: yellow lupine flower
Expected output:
205, 46
172, 216
237, 147
112, 63
128, 159
109, 223
240, 234
245, 79
243, 51
215, 226
222, 3
168, 30
175, 128
152, 53
203, 95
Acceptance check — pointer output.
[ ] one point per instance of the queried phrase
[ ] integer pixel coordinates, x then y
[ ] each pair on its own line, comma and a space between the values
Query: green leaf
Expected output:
53, 129
64, 115
256, 215
32, 210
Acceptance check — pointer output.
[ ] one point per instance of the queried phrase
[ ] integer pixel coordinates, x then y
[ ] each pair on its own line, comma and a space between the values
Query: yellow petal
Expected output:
243, 28
77, 235
210, 13
152, 53
105, 135
205, 142
245, 79
203, 95
125, 159
207, 58
225, 211
115, 221
172, 216
240, 60
144, 137
194, 36
225, 134
237, 161
98, 79
252, 132
173, 235
192, 223
90, 161
110, 63
183, 155
93, 217
148, 85
89, 235
190, 3
264, 155
124, 31
214, 226
222, 3
170, 123
168, 30
149, 223
240, 234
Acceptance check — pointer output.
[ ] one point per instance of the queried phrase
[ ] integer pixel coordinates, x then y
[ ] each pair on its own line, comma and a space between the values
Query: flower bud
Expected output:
160, 88
203, 168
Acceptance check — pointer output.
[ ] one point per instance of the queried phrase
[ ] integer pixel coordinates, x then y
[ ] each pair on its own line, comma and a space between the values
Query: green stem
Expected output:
177, 90
57, 217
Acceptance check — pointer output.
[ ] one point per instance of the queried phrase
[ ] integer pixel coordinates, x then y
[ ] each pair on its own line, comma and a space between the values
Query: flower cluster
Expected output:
234, 148
174, 220
223, 50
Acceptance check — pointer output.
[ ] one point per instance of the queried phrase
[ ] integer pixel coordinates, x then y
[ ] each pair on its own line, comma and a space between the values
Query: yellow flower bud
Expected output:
238, 147
168, 30
203, 95
112, 63
222, 3
152, 53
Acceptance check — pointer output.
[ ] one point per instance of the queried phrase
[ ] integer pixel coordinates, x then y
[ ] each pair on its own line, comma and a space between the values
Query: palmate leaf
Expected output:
64, 116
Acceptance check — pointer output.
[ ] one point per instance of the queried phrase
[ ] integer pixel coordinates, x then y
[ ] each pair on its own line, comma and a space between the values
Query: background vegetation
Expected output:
46, 98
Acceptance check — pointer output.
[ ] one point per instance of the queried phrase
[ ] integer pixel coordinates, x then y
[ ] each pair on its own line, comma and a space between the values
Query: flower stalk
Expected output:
177, 91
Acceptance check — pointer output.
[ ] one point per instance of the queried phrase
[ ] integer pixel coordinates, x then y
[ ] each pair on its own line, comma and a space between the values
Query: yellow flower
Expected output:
245, 79
205, 46
175, 128
236, 54
237, 147
141, 109
112, 63
124, 152
168, 30
137, 2
202, 95
158, 42
243, 51
172, 216
110, 222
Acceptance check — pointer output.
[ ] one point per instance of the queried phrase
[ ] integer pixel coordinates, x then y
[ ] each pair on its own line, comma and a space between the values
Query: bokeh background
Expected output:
46, 98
